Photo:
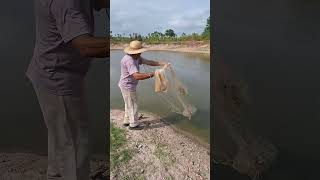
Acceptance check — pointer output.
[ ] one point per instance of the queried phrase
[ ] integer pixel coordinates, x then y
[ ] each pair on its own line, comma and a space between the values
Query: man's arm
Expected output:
153, 63
72, 21
142, 76
89, 46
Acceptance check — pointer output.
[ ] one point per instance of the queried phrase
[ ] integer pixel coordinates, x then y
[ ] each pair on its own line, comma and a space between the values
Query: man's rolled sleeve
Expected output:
71, 20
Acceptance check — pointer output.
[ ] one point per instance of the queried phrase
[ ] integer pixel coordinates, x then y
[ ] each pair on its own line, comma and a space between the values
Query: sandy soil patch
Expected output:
159, 152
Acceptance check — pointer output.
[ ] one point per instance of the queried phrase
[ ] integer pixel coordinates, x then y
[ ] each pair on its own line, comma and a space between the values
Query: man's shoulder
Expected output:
126, 59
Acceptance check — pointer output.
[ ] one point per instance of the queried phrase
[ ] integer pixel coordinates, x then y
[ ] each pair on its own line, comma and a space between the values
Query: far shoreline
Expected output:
197, 47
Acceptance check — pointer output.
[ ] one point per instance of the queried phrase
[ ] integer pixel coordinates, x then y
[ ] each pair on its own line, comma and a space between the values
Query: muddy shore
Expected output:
160, 152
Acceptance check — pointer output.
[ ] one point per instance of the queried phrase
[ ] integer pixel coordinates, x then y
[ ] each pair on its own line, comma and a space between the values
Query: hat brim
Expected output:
128, 50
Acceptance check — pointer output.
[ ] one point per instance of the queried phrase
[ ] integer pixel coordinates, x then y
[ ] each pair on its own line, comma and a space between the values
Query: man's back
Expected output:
56, 65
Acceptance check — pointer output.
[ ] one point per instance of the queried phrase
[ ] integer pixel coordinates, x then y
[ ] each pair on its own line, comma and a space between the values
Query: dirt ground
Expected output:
159, 152
28, 166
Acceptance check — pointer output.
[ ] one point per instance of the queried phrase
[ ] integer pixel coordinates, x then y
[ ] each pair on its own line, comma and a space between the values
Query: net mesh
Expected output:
171, 90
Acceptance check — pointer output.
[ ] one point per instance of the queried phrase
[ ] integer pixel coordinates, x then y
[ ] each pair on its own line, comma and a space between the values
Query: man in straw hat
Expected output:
130, 76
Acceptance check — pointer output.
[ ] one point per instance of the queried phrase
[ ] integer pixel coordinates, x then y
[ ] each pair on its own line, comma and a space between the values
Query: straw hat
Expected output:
135, 47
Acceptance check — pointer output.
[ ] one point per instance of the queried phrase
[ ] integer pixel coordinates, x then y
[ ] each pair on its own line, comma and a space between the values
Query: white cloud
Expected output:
189, 22
149, 15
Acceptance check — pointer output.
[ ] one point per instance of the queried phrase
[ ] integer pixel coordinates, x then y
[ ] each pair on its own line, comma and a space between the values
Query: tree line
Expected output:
167, 36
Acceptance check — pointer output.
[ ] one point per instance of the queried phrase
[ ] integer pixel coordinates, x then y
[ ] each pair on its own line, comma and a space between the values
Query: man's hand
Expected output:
166, 65
151, 74
163, 63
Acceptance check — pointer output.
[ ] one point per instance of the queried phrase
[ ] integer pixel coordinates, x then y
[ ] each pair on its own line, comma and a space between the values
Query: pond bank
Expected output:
187, 47
159, 152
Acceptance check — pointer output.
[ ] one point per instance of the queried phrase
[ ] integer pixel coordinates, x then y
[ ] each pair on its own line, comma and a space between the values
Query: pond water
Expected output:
194, 72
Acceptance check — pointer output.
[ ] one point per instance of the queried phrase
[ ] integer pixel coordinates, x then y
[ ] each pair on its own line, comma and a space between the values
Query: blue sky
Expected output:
146, 16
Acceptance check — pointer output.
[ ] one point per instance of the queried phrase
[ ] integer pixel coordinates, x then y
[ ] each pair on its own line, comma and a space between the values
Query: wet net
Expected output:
235, 144
171, 90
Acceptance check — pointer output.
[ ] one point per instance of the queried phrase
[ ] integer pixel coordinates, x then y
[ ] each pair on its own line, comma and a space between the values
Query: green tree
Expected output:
206, 31
155, 36
170, 33
139, 37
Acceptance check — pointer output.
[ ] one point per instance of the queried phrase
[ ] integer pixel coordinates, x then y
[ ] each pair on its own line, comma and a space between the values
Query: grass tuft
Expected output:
119, 154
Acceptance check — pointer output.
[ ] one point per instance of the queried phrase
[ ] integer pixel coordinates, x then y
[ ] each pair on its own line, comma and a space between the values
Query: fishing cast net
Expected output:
235, 145
171, 90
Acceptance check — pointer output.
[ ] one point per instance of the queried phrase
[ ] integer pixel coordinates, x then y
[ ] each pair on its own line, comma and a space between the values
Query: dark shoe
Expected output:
125, 124
139, 127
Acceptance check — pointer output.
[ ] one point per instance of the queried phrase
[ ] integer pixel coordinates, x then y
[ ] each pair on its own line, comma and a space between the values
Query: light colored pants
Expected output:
66, 118
130, 107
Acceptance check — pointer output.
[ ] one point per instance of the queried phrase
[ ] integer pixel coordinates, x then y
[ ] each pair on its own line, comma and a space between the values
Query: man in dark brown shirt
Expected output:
63, 50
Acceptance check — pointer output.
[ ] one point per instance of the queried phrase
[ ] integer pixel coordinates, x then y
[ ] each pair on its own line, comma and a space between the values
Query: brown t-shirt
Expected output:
55, 65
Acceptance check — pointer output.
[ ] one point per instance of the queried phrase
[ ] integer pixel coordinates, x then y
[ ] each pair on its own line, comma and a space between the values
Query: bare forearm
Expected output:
97, 52
153, 63
89, 46
142, 76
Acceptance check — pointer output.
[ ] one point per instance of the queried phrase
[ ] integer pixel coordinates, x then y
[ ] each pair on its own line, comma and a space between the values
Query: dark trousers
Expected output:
66, 118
